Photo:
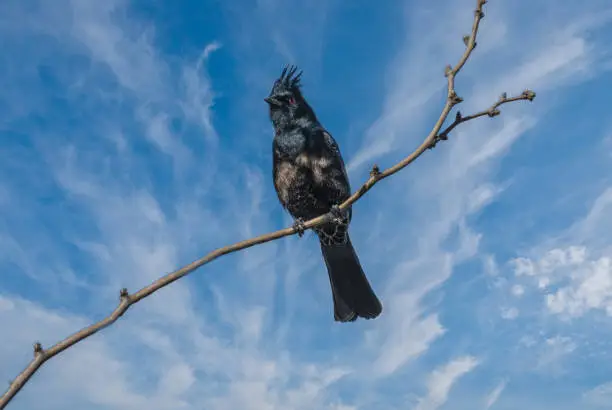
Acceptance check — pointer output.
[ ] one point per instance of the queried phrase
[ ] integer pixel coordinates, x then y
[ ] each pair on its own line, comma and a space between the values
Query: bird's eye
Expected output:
291, 100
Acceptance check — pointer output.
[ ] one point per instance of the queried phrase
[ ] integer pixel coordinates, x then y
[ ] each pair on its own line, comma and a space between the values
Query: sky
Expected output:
134, 139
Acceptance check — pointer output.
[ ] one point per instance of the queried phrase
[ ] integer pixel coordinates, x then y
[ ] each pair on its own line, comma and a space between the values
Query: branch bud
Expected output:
493, 113
503, 97
454, 98
123, 294
448, 70
375, 171
458, 116
528, 94
466, 40
38, 350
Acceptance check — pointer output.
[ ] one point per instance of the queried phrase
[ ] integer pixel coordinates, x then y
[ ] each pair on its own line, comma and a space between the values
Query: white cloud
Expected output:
558, 258
552, 353
562, 60
590, 288
442, 380
495, 394
490, 265
554, 266
482, 196
127, 48
500, 142
523, 266
600, 395
595, 226
198, 99
518, 290
509, 313
578, 279
412, 340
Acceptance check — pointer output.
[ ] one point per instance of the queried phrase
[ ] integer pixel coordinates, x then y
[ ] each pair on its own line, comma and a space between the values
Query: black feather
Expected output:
353, 296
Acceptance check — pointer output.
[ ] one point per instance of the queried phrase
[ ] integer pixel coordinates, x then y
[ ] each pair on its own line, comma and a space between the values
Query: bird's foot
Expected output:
299, 227
338, 216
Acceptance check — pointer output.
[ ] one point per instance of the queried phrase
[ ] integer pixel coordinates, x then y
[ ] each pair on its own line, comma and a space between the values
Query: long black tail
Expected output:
353, 295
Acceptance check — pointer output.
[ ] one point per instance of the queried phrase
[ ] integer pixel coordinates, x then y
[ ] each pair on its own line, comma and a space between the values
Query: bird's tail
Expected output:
352, 293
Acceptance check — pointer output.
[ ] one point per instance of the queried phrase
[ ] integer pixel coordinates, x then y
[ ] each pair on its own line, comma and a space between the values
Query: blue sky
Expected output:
134, 139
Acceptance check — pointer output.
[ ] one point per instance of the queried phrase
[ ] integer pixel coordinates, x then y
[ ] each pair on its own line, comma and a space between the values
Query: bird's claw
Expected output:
299, 227
337, 214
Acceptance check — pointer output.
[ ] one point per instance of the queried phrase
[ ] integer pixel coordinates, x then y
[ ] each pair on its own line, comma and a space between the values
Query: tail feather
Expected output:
352, 294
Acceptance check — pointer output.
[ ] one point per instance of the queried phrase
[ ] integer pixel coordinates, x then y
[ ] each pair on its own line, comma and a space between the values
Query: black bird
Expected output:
310, 179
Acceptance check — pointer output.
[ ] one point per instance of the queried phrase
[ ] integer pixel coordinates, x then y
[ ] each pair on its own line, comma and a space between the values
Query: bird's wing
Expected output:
332, 185
334, 150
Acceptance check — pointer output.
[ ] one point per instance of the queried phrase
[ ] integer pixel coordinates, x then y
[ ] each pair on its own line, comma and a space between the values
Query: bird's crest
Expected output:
288, 80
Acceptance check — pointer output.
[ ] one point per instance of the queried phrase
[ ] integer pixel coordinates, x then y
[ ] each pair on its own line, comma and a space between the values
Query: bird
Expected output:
310, 180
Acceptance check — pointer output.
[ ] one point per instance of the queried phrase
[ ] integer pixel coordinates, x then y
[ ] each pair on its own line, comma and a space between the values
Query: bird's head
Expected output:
285, 100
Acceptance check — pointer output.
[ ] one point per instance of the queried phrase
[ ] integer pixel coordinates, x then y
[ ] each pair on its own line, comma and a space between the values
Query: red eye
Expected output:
291, 100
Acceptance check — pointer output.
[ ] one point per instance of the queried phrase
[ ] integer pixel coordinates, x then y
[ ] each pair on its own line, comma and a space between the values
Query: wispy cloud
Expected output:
554, 350
495, 394
599, 395
441, 381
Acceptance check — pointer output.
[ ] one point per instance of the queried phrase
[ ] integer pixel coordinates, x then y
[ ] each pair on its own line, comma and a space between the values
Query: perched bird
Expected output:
310, 179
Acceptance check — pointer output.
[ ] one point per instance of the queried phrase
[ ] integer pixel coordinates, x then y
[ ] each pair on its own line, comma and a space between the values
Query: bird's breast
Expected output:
285, 180
298, 175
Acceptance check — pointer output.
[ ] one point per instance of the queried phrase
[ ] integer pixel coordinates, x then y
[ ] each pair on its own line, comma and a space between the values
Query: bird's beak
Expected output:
272, 101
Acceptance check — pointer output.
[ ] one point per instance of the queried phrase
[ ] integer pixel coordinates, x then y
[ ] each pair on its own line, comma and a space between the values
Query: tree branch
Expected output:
126, 300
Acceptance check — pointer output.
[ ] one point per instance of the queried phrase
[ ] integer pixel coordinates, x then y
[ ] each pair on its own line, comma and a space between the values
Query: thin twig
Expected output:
126, 300
491, 112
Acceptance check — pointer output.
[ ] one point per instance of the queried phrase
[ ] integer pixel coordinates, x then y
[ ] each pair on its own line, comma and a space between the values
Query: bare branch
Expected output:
126, 300
491, 112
